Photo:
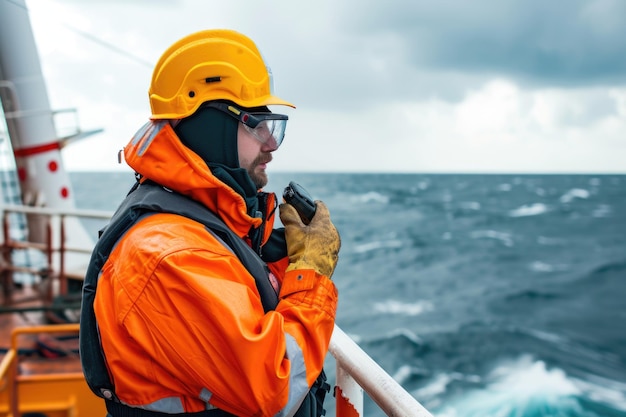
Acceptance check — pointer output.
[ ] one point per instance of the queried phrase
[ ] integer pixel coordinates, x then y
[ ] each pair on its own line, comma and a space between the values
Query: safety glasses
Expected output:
265, 127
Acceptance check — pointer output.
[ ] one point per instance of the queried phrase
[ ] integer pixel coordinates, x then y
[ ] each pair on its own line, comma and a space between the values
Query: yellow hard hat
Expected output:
210, 65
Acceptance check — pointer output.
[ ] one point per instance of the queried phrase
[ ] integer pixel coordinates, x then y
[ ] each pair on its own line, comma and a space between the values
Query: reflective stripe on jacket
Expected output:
181, 323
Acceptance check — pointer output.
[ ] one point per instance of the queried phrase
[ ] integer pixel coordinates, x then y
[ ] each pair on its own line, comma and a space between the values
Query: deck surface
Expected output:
39, 353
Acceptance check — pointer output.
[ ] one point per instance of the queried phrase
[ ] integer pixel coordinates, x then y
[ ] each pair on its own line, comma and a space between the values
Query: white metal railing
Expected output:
356, 373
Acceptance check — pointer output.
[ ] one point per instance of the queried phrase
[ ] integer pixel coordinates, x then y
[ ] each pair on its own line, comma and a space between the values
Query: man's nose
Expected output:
270, 145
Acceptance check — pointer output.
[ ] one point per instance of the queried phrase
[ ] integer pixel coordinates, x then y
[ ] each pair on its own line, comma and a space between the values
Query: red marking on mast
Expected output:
53, 166
65, 192
21, 173
34, 150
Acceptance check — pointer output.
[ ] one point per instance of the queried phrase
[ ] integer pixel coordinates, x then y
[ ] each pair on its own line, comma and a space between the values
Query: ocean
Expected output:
482, 295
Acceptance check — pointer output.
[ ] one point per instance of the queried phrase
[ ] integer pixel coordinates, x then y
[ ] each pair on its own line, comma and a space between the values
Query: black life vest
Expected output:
149, 198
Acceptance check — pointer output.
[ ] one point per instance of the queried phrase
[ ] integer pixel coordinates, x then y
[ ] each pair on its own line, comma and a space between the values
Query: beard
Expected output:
259, 177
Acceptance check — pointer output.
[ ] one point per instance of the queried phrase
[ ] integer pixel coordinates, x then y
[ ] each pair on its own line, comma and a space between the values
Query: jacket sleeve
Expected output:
194, 325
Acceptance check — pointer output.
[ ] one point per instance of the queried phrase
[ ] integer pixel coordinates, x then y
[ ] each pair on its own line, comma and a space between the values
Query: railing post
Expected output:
348, 395
62, 277
6, 275
49, 251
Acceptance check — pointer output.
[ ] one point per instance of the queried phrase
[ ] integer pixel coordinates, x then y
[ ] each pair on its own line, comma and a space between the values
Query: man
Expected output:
183, 321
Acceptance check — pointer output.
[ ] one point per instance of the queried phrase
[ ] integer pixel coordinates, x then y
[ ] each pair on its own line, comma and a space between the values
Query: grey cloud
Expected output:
558, 42
144, 3
596, 106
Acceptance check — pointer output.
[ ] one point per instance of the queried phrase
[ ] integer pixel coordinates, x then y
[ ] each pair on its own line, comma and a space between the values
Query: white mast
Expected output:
29, 117
30, 122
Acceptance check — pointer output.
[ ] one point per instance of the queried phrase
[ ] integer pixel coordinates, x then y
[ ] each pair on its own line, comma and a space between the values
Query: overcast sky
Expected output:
395, 85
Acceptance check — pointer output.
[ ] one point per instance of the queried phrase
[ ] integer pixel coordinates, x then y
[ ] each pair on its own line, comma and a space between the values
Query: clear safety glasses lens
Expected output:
268, 131
268, 128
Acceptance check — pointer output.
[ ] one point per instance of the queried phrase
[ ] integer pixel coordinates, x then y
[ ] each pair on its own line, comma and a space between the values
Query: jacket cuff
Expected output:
305, 286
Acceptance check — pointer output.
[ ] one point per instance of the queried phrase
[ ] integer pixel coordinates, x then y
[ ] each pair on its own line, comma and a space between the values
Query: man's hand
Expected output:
313, 246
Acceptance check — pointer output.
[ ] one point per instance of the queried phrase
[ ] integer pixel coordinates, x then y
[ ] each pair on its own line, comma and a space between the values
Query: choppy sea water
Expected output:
483, 295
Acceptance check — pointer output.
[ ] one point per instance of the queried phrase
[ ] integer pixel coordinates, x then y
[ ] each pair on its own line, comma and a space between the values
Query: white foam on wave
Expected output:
540, 266
605, 391
437, 386
526, 378
433, 393
548, 337
440, 383
529, 210
371, 197
505, 238
550, 241
527, 387
574, 193
404, 373
516, 387
401, 308
406, 333
423, 185
378, 244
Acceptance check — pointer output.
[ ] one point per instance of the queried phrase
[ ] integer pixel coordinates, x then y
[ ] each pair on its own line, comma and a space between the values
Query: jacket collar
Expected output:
156, 153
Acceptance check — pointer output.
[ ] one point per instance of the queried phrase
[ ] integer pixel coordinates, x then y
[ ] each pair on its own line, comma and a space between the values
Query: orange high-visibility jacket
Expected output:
181, 322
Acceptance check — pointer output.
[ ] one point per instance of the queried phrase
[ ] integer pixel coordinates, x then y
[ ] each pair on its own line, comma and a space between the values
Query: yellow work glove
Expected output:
311, 246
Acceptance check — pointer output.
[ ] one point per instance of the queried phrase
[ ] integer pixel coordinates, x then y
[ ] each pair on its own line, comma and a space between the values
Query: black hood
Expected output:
212, 135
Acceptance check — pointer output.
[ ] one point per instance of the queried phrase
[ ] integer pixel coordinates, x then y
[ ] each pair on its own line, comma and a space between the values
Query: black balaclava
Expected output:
212, 135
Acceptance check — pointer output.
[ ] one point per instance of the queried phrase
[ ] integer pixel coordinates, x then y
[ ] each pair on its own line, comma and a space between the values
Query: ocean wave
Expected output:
595, 182
605, 391
529, 210
438, 385
573, 194
608, 270
396, 350
435, 388
378, 244
528, 376
407, 372
423, 185
572, 348
603, 210
530, 295
526, 387
611, 267
552, 338
370, 197
505, 238
395, 337
540, 266
470, 205
405, 334
550, 241
402, 308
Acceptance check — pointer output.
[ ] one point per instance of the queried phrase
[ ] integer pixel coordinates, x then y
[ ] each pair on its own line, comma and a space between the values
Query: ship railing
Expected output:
52, 242
357, 373
46, 386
